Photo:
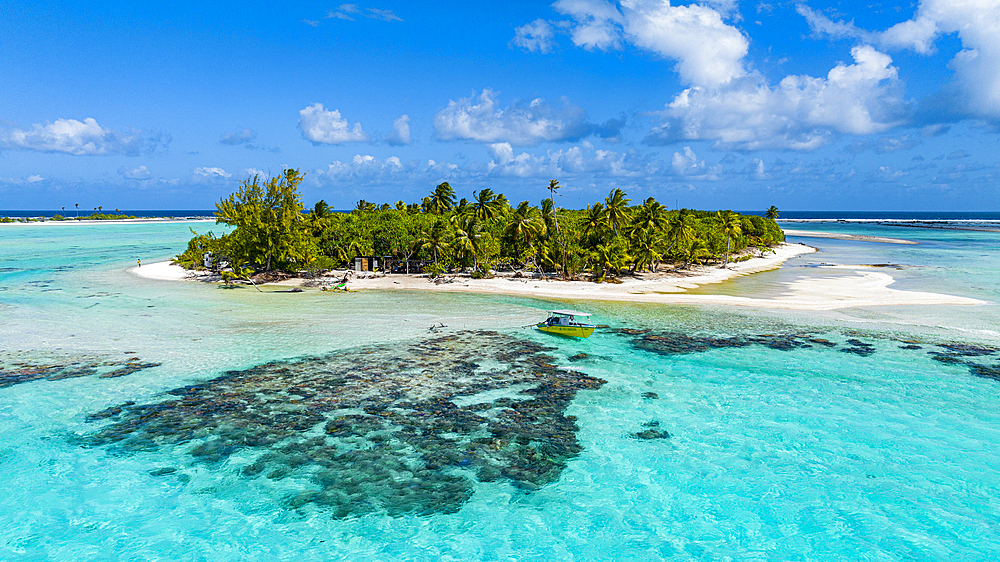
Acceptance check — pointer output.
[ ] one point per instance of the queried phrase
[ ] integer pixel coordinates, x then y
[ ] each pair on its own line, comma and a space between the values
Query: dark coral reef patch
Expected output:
395, 429
680, 343
19, 369
964, 354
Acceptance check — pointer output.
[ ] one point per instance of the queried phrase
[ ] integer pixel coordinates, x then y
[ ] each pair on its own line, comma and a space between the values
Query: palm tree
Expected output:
616, 208
594, 223
442, 198
646, 245
486, 204
522, 227
610, 256
549, 217
695, 250
363, 205
651, 215
680, 228
468, 234
502, 203
553, 187
321, 209
77, 209
435, 240
772, 213
731, 226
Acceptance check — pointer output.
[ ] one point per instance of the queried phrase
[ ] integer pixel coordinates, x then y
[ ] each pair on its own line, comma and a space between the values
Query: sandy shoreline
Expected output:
167, 271
865, 288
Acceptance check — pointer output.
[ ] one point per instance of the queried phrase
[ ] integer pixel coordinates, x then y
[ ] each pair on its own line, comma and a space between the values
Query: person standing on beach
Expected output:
139, 261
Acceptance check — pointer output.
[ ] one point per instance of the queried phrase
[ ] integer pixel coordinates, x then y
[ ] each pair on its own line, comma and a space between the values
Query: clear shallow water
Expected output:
944, 260
776, 451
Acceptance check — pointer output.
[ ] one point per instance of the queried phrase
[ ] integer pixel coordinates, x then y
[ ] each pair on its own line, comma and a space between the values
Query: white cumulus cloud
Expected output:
975, 89
688, 165
800, 113
507, 165
977, 23
569, 162
211, 173
597, 23
400, 132
708, 51
140, 173
80, 138
320, 126
757, 171
534, 36
481, 119
367, 169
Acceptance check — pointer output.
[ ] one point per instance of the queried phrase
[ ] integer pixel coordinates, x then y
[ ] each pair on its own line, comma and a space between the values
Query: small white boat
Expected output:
571, 323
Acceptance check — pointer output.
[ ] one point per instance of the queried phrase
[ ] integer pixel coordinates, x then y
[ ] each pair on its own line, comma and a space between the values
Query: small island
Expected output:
275, 238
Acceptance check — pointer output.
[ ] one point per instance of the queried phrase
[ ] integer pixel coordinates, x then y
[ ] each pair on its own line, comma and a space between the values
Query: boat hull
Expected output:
570, 331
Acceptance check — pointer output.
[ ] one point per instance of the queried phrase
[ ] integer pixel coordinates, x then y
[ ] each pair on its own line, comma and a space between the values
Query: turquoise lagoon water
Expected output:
153, 420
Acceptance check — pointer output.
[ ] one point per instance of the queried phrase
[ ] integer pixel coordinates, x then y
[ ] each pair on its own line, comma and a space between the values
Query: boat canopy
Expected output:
569, 313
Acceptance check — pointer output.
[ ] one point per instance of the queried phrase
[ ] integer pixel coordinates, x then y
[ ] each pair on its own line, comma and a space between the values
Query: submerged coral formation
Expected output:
678, 343
652, 431
16, 369
396, 429
961, 353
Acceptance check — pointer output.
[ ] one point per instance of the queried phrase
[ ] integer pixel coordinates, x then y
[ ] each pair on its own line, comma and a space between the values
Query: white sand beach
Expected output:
168, 271
819, 292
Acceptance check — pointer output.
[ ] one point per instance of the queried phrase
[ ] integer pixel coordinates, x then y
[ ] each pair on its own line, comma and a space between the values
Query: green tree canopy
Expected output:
269, 228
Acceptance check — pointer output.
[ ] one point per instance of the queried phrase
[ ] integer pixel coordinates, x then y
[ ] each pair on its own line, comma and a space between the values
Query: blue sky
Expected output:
715, 104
